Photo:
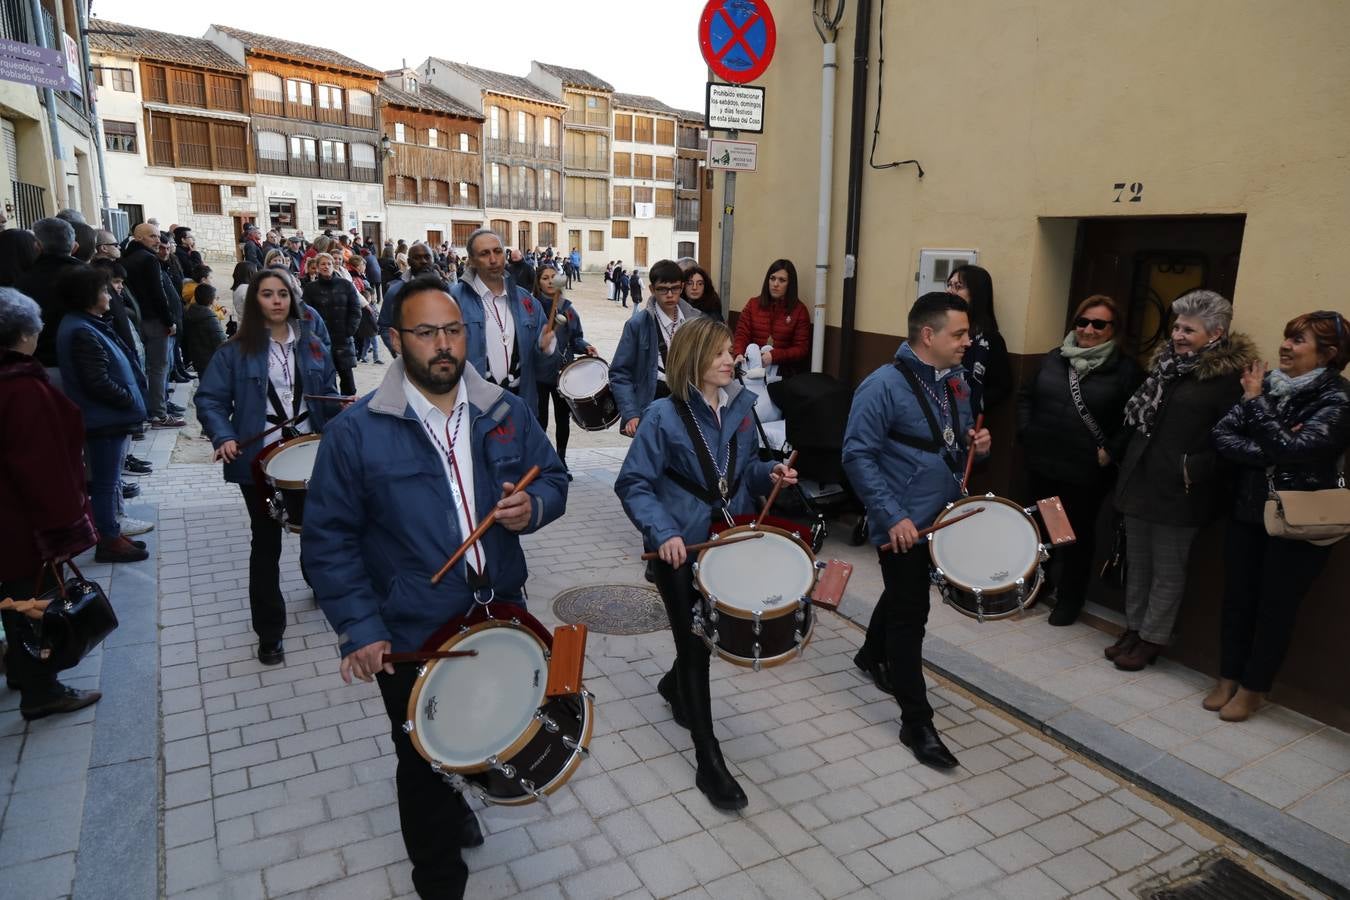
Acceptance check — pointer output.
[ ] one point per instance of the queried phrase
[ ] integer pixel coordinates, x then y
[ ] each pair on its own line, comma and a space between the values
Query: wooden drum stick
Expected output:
924, 532
427, 656
483, 526
335, 398
970, 454
721, 542
773, 494
262, 434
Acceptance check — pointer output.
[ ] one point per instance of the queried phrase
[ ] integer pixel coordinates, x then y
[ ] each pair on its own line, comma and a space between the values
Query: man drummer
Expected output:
905, 448
638, 373
402, 478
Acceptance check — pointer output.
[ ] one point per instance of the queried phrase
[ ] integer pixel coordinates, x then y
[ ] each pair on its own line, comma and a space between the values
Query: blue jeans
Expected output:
106, 455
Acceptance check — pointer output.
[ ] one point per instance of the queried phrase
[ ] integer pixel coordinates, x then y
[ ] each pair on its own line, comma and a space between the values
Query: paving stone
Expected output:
782, 831
905, 852
1061, 833
1077, 870
1104, 815
955, 834
298, 874
1014, 852
963, 871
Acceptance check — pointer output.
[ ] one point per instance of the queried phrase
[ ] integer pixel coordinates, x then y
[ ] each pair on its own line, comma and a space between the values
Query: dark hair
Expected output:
253, 332
930, 311
18, 251
80, 287
180, 232
780, 265
667, 271
1330, 331
202, 272
422, 284
243, 273
112, 267
204, 294
981, 287
86, 242
711, 299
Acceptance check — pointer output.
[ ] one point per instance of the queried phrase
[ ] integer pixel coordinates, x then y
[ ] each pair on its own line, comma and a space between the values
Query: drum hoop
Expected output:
767, 662
956, 509
283, 483
577, 398
441, 637
740, 612
505, 754
573, 762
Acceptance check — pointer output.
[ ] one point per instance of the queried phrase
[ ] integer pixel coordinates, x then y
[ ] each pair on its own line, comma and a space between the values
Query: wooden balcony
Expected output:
589, 162
579, 209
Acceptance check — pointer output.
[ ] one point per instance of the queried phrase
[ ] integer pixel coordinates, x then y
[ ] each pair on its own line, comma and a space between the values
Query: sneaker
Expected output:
167, 422
138, 435
379, 362
119, 550
130, 489
175, 408
131, 527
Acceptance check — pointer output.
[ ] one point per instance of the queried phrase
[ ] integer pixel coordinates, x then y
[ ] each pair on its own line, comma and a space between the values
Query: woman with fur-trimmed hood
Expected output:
1169, 484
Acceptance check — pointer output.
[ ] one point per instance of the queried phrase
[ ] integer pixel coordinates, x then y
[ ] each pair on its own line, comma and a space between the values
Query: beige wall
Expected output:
1023, 114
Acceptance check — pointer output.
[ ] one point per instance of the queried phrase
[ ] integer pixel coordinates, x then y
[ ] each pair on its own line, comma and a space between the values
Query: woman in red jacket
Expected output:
777, 322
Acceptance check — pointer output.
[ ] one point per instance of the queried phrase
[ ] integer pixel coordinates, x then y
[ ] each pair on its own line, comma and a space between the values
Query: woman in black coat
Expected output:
335, 299
1070, 421
1289, 430
988, 368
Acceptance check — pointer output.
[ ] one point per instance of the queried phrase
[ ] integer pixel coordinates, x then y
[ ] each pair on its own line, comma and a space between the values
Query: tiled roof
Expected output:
144, 43
428, 98
642, 101
501, 83
576, 77
268, 44
689, 115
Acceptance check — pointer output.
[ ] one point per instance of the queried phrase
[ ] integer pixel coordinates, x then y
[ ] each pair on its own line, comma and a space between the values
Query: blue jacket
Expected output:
632, 374
379, 518
232, 396
97, 373
659, 507
575, 258
529, 317
571, 342
894, 480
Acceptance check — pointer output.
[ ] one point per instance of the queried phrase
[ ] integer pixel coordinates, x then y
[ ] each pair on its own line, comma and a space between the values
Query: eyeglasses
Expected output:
1334, 316
667, 288
694, 282
428, 332
1098, 324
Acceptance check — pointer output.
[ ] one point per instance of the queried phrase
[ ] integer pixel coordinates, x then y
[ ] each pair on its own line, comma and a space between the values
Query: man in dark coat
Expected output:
335, 299
253, 248
147, 282
57, 238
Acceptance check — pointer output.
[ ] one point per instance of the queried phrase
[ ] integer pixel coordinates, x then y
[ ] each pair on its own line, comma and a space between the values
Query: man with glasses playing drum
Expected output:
905, 449
402, 477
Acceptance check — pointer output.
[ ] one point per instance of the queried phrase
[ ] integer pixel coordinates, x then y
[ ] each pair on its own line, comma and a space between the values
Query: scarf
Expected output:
1142, 408
1085, 359
1282, 387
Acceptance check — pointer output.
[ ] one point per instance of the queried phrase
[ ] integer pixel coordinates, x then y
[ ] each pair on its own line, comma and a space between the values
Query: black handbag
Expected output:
1113, 570
77, 619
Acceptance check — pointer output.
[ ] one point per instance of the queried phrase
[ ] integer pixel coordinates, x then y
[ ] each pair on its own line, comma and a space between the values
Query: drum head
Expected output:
584, 378
769, 574
989, 551
293, 460
474, 707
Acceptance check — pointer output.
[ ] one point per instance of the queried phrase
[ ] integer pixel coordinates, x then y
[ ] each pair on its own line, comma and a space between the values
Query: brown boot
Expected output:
1137, 657
1126, 641
1243, 704
1220, 694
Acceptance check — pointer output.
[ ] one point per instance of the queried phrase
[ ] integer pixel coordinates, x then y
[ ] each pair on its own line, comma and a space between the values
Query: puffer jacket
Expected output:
1171, 477
1257, 434
201, 336
335, 300
787, 328
101, 375
1058, 445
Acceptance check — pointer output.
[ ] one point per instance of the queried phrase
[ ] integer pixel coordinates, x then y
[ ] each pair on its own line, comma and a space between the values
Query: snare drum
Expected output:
584, 386
484, 721
989, 565
286, 470
756, 597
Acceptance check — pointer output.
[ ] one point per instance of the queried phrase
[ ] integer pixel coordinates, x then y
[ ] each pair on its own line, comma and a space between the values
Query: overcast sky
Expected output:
640, 48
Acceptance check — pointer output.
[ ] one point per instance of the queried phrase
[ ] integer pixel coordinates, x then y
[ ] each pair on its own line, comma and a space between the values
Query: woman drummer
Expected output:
256, 380
548, 288
693, 459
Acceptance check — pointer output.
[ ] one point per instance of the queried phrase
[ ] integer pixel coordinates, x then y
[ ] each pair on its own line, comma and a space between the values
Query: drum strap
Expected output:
708, 491
936, 444
279, 413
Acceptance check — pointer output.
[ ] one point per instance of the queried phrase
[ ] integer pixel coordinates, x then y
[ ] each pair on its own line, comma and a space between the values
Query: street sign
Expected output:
30, 64
734, 107
734, 156
737, 38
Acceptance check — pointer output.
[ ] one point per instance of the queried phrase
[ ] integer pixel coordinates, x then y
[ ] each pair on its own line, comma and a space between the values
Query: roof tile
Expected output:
576, 77
145, 43
282, 47
501, 83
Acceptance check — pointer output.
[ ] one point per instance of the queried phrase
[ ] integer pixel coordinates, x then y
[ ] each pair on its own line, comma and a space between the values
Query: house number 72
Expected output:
1136, 188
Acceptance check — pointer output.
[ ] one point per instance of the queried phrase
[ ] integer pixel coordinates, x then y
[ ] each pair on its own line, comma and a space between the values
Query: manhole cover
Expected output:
1212, 878
612, 608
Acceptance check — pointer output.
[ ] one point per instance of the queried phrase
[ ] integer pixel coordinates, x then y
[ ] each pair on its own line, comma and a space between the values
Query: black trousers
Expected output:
429, 809
36, 681
896, 630
691, 654
264, 569
346, 381
562, 416
1266, 579
1070, 568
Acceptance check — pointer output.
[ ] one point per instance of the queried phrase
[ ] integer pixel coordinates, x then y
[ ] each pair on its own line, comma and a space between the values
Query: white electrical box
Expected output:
936, 265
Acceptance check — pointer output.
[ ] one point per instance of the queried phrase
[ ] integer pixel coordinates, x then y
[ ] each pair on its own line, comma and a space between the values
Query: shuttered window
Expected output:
206, 199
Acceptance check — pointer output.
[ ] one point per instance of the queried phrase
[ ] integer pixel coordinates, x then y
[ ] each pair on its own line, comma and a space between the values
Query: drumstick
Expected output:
939, 526
970, 455
338, 398
773, 494
262, 434
427, 655
720, 542
483, 526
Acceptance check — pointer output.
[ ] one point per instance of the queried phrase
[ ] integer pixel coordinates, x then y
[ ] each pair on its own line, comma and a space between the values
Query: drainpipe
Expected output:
95, 124
852, 234
827, 72
49, 100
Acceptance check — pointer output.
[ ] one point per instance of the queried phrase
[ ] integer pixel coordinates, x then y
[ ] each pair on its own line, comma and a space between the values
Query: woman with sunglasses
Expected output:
1070, 422
1288, 432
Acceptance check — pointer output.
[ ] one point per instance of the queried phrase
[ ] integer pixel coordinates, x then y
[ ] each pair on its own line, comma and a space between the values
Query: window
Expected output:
437, 191
330, 216
686, 248
301, 92
155, 84
548, 189
665, 168
465, 144
619, 228
400, 133
665, 202
502, 227
333, 152
642, 165
597, 240
120, 137
548, 234
546, 138
266, 86
642, 195
665, 132
122, 80
623, 127
402, 189
271, 145
282, 213
496, 122
464, 194
433, 138
206, 199
623, 201
304, 148
497, 185
623, 165
359, 103
642, 129
574, 238
330, 96
460, 231
363, 157
524, 127
238, 190
526, 194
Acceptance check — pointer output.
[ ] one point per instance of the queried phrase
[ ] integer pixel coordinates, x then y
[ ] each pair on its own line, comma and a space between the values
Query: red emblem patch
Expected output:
529, 306
505, 432
745, 424
959, 387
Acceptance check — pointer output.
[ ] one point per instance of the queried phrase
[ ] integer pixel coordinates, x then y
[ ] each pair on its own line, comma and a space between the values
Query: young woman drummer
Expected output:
694, 458
258, 379
548, 290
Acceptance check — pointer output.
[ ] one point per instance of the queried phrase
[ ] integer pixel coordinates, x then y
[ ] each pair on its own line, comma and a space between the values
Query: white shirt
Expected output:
281, 372
446, 433
668, 328
499, 329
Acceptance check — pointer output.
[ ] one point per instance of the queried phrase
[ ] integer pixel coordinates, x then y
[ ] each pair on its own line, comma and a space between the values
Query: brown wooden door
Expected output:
239, 223
434, 239
639, 251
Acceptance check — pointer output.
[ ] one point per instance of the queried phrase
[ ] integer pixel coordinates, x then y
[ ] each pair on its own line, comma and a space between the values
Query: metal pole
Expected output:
856, 168
828, 68
49, 100
728, 230
95, 124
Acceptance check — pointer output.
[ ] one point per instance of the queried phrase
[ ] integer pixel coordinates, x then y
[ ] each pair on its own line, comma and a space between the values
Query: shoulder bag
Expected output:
1318, 517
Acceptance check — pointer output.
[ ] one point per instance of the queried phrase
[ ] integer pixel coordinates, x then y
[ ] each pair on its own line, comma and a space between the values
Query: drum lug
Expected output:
797, 638
1029, 510
508, 771
979, 604
571, 744
713, 616
1044, 552
989, 495
950, 505
1021, 594
800, 614
408, 727
438, 769
755, 664
821, 564
939, 577
422, 670
757, 627
549, 725
528, 787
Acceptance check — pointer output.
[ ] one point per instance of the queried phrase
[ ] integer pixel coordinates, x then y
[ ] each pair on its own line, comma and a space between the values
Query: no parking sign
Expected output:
737, 38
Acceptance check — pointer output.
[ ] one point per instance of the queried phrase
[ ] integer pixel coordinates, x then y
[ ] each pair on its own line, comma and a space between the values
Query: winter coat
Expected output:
1058, 445
1171, 477
895, 480
43, 283
202, 334
190, 261
147, 286
42, 489
988, 370
528, 314
254, 252
787, 329
655, 502
101, 375
632, 373
389, 272
1256, 434
571, 342
373, 273
379, 518
232, 400
336, 301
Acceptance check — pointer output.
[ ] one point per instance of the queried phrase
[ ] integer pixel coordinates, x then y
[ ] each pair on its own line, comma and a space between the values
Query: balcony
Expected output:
268, 103
360, 120
270, 166
497, 145
685, 222
590, 162
596, 118
333, 171
579, 209
623, 209
232, 159
521, 148
548, 151
194, 156
304, 168
364, 173
692, 143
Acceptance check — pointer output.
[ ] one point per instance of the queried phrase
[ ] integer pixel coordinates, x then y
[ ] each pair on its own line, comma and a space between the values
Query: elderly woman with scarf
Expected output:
1169, 485
1070, 421
1287, 433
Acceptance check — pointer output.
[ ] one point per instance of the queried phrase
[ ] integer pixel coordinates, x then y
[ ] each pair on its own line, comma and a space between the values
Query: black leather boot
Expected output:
669, 689
713, 779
